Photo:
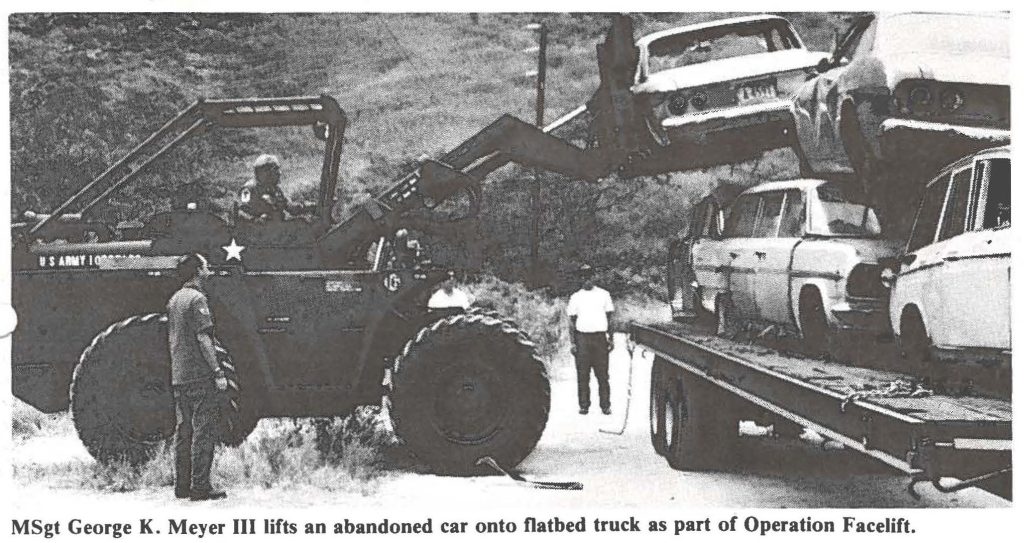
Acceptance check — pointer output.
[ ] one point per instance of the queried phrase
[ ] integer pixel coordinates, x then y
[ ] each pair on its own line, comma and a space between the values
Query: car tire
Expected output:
818, 337
915, 345
703, 316
726, 324
658, 400
703, 432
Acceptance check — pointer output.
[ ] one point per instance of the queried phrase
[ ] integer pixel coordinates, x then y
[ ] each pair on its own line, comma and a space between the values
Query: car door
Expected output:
778, 231
917, 282
737, 253
974, 244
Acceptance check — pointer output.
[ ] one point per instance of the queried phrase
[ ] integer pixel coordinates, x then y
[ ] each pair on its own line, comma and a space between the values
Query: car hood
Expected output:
728, 69
869, 249
960, 68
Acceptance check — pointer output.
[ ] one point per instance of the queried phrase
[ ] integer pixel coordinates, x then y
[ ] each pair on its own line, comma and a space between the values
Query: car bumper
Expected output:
913, 142
695, 125
862, 315
714, 138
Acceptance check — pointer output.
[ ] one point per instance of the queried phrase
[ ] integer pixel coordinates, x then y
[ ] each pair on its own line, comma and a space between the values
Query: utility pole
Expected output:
536, 203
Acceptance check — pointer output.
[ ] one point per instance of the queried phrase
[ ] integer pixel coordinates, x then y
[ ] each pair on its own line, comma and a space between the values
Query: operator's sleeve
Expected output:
573, 307
199, 315
608, 305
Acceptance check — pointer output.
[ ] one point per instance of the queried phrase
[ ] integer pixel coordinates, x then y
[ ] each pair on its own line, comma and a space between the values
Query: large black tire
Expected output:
122, 404
469, 386
703, 316
916, 348
818, 338
704, 428
657, 411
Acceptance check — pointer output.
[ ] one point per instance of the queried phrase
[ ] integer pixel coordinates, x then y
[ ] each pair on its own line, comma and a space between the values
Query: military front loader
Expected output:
314, 317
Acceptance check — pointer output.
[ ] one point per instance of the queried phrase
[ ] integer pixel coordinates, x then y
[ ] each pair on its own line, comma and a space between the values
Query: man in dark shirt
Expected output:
261, 198
197, 379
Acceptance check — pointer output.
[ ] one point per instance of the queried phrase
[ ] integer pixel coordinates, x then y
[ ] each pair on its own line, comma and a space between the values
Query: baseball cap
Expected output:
264, 160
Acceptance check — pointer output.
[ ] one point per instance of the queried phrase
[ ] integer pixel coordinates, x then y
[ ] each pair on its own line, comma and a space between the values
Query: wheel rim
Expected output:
469, 403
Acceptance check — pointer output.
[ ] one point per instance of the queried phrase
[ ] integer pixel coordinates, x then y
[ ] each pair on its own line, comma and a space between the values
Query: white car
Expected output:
951, 295
719, 92
798, 254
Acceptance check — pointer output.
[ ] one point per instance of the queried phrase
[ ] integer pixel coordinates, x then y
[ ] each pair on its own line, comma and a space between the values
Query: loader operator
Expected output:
261, 198
197, 380
449, 299
590, 310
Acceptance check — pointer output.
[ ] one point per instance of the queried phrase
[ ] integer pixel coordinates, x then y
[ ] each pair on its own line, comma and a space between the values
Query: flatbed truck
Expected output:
703, 385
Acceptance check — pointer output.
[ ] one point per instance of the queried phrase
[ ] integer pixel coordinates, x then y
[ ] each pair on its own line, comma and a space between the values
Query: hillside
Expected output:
87, 88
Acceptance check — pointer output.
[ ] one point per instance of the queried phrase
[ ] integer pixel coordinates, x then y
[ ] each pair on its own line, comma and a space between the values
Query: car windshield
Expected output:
984, 34
838, 215
718, 43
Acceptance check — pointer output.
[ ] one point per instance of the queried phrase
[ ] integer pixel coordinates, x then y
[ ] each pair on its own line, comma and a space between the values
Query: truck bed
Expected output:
872, 411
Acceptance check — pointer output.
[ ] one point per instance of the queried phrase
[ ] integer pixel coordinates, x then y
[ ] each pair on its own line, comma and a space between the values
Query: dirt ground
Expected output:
615, 470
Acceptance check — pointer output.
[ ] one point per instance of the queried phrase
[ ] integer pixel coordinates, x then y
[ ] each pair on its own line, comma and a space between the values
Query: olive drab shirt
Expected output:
256, 200
188, 314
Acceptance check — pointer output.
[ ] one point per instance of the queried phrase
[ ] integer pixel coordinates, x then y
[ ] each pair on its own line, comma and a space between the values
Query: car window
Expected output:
717, 43
850, 42
928, 212
955, 216
711, 226
839, 214
793, 215
767, 225
997, 194
740, 223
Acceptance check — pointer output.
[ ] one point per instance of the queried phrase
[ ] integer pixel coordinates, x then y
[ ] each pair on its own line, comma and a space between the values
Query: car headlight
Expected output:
951, 100
677, 105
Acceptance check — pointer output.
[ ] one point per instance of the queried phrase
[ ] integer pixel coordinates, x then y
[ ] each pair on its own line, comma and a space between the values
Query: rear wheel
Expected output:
818, 337
703, 315
658, 410
704, 425
726, 324
916, 346
466, 387
122, 403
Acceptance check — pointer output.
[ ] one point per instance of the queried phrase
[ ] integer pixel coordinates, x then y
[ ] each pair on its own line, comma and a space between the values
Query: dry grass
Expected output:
348, 454
28, 422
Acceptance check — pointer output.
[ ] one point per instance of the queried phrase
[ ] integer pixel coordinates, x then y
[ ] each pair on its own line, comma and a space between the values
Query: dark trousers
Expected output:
197, 407
592, 354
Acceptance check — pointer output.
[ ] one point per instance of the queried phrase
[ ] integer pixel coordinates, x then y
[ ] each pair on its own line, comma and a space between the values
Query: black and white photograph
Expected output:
284, 271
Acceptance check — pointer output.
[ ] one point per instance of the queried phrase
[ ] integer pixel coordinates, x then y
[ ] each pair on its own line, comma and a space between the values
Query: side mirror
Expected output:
824, 65
908, 259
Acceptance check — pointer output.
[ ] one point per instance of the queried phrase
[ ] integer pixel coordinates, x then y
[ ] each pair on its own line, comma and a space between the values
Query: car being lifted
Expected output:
718, 92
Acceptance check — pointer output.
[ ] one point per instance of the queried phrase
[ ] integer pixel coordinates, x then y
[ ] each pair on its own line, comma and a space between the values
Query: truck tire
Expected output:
704, 434
657, 412
469, 386
122, 404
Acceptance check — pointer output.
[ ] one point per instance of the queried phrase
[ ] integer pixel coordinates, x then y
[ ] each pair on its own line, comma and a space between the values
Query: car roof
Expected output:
1002, 150
646, 40
791, 184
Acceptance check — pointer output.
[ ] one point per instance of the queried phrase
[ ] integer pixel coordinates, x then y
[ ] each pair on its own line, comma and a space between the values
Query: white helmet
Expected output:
264, 160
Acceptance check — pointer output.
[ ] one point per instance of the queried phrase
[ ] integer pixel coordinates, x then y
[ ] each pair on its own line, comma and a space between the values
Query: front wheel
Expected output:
818, 337
466, 387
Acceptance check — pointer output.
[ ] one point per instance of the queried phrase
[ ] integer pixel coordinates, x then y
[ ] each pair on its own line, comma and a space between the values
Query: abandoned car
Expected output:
719, 92
950, 296
707, 220
799, 254
909, 86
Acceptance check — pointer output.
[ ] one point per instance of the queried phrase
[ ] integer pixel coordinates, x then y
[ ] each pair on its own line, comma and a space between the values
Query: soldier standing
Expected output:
590, 310
449, 299
261, 198
197, 380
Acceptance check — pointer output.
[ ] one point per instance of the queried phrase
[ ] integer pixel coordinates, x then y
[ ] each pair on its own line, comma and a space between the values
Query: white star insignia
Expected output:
233, 250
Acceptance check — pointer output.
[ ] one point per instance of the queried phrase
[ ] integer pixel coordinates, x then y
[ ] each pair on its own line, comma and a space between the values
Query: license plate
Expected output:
757, 90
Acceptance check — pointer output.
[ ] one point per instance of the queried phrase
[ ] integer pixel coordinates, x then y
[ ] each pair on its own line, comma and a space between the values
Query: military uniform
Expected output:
196, 398
257, 200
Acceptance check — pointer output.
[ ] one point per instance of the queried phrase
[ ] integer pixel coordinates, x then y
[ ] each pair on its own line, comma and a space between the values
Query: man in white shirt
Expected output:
449, 298
590, 309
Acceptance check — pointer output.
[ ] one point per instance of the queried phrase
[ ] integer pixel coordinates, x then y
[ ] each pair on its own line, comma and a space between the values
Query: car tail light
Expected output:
677, 105
865, 281
920, 98
699, 100
951, 100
